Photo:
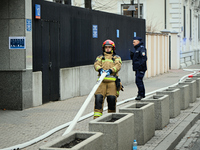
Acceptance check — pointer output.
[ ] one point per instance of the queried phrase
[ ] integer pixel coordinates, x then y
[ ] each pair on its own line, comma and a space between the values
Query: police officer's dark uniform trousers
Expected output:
139, 58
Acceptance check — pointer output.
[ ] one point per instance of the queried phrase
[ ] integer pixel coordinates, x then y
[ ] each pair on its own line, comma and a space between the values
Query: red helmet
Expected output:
108, 43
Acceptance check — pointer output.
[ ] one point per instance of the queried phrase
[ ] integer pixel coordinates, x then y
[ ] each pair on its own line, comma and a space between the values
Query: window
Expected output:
68, 2
58, 1
88, 4
184, 22
132, 13
136, 12
125, 11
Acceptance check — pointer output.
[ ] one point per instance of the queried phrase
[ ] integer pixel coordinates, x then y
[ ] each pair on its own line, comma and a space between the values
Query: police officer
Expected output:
139, 58
110, 63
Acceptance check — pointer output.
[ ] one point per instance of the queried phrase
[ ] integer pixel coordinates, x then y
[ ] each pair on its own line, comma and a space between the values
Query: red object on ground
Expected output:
190, 76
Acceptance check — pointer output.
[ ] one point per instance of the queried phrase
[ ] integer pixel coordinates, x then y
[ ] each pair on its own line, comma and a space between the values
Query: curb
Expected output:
171, 140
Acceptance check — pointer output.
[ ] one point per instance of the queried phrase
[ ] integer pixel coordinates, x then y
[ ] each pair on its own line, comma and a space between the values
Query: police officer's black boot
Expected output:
139, 97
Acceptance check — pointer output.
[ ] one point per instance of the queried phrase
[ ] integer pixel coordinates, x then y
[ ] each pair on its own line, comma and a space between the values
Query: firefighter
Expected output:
110, 63
139, 58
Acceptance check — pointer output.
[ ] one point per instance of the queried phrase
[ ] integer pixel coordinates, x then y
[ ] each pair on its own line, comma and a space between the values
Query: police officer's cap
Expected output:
137, 38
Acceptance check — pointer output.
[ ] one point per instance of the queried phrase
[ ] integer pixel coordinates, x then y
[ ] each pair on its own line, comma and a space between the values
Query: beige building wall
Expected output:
154, 15
188, 44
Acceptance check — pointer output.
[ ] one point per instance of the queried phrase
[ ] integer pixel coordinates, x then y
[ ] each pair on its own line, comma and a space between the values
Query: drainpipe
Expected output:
138, 2
165, 15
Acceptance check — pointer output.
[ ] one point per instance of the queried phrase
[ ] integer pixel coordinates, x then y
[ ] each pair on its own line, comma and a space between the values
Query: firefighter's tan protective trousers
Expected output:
106, 89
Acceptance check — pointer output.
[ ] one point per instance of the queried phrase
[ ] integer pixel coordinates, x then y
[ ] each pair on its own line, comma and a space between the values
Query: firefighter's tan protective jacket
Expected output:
108, 61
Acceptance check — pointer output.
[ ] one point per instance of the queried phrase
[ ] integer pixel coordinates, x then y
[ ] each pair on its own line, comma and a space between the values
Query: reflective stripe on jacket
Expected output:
108, 61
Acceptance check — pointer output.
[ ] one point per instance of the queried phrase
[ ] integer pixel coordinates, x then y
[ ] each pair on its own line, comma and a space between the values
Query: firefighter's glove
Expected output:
101, 71
108, 72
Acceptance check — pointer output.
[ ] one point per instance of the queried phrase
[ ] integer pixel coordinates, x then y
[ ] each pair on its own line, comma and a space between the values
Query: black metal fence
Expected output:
77, 46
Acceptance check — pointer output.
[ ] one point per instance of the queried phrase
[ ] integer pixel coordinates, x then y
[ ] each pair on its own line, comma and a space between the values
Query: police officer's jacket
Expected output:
139, 57
108, 61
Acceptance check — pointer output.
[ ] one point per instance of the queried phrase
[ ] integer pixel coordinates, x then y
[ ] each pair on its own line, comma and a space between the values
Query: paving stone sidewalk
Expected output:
189, 140
18, 127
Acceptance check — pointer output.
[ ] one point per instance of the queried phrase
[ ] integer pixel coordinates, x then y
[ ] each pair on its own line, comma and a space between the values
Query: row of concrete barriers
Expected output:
137, 120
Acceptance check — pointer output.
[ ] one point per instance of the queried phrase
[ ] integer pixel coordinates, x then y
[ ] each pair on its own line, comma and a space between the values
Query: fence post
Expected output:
149, 60
158, 53
155, 60
175, 54
162, 54
166, 67
166, 51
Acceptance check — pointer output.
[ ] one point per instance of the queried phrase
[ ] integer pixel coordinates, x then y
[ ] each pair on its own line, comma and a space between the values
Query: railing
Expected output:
190, 57
186, 56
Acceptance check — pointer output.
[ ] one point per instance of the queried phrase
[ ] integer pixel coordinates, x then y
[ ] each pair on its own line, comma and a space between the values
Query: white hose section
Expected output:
85, 104
26, 144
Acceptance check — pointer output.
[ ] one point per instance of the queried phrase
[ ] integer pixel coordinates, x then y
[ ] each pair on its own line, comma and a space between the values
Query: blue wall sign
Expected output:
37, 11
17, 42
95, 31
28, 25
134, 34
181, 29
117, 33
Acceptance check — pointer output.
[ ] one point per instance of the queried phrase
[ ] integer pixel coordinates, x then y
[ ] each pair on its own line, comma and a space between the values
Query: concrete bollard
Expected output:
184, 95
144, 124
197, 75
197, 79
161, 107
192, 89
118, 135
88, 140
174, 101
